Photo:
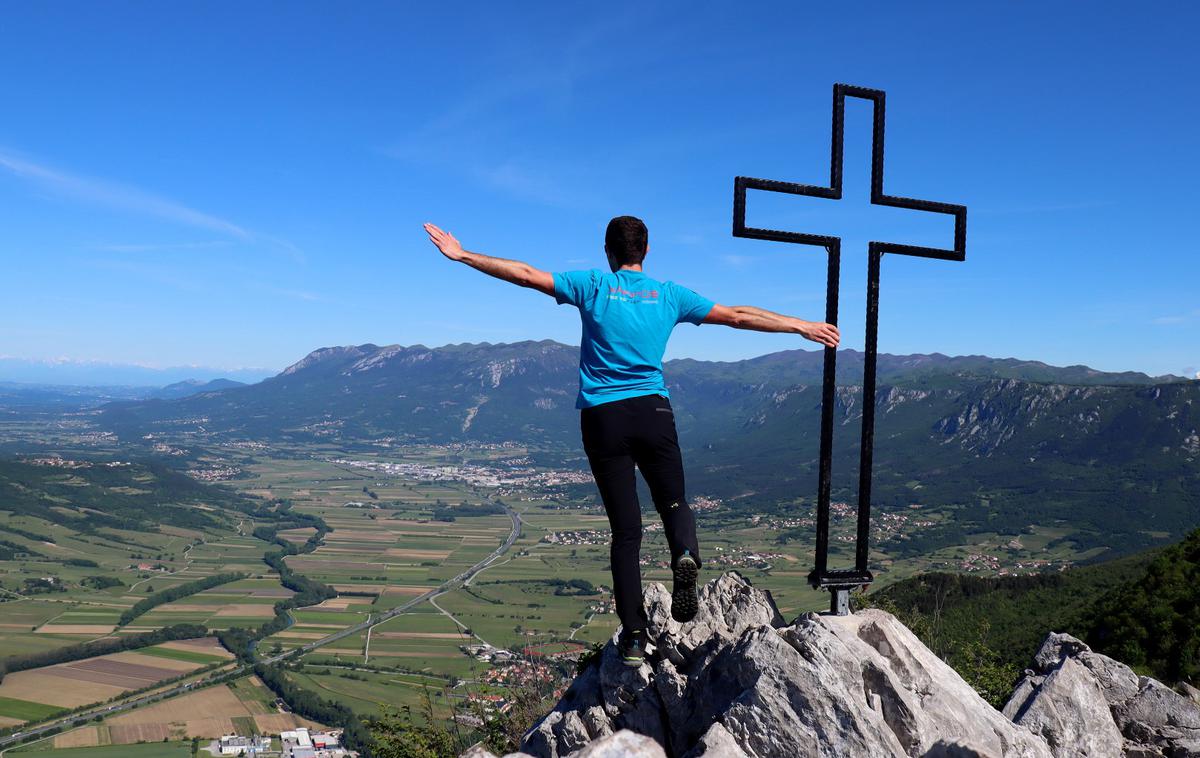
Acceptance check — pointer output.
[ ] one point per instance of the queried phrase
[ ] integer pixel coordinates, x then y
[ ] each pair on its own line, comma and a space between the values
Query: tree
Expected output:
1152, 623
525, 706
396, 736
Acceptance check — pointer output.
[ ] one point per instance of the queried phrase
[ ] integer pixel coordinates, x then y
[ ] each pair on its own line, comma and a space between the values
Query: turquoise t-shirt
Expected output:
627, 318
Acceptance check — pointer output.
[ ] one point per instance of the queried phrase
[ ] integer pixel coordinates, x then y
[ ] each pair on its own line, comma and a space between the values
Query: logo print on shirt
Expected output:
649, 297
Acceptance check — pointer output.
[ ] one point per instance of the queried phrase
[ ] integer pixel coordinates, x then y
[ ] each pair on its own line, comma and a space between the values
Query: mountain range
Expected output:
86, 373
67, 397
1006, 443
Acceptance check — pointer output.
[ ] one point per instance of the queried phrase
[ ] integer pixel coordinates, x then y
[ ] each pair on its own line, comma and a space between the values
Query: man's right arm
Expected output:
762, 320
517, 272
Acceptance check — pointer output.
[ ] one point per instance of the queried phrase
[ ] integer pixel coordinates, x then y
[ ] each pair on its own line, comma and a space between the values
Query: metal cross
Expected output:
840, 581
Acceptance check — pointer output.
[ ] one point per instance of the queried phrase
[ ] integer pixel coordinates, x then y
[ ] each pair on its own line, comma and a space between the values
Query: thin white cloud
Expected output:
1178, 318
530, 183
118, 196
524, 89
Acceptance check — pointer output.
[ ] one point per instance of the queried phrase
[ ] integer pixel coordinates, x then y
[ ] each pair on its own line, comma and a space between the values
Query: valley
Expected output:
443, 568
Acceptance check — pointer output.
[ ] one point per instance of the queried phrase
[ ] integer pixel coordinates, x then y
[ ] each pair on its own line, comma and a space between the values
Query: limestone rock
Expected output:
1083, 702
1070, 713
622, 744
1188, 690
479, 751
717, 742
739, 683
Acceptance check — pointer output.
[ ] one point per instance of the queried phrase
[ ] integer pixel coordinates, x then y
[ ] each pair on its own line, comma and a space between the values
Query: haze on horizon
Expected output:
236, 186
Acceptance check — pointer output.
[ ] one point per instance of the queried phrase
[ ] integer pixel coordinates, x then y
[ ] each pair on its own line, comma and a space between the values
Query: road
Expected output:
461, 625
449, 584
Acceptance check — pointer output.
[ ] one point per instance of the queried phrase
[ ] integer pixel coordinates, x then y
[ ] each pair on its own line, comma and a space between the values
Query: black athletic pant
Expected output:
617, 435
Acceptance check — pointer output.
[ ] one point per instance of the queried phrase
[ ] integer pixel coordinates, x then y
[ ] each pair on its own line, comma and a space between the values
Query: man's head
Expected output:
625, 242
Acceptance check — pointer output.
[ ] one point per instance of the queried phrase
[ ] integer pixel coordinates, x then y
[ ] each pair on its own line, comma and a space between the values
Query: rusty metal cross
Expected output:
840, 581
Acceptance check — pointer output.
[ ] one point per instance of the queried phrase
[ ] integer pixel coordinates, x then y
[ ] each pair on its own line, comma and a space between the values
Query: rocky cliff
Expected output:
740, 682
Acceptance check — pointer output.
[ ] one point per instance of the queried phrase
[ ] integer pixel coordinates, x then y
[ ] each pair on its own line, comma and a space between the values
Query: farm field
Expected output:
385, 548
369, 693
149, 750
247, 602
65, 579
38, 693
376, 557
207, 713
422, 640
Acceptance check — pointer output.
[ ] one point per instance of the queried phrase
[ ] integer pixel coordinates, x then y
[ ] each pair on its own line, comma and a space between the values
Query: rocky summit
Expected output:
739, 681
1087, 704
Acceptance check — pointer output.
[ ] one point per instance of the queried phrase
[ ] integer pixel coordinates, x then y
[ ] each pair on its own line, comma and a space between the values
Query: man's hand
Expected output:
445, 241
826, 334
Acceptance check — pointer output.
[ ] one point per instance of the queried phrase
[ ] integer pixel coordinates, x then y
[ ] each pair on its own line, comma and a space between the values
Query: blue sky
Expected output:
235, 184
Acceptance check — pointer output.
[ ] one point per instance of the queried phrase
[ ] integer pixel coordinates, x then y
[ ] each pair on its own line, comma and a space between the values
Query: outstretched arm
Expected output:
502, 268
760, 320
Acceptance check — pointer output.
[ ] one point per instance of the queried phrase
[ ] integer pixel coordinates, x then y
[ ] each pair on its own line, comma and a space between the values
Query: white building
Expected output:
232, 744
302, 743
296, 738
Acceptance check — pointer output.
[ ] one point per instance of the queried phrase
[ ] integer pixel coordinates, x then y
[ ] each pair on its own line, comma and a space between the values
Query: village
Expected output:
60, 462
473, 474
884, 525
214, 473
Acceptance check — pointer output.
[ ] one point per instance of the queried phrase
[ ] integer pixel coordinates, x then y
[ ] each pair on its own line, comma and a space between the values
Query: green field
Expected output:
149, 750
182, 655
25, 710
369, 693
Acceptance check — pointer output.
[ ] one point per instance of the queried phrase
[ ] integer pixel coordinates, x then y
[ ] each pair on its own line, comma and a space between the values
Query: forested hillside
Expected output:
1142, 609
87, 495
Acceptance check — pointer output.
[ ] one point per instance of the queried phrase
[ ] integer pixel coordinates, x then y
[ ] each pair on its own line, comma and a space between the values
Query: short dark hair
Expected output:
626, 240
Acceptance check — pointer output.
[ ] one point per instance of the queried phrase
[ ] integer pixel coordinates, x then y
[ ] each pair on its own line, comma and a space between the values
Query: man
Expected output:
625, 411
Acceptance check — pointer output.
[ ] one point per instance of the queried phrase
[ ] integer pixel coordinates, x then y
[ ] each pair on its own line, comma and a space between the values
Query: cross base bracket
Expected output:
840, 582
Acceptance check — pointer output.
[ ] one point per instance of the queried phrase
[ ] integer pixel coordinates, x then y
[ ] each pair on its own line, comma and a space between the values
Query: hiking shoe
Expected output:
632, 647
684, 600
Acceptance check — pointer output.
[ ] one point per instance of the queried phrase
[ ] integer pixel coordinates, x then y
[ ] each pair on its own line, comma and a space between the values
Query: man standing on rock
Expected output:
625, 412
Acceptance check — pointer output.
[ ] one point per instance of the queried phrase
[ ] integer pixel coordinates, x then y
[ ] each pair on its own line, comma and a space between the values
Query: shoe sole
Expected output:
684, 601
633, 662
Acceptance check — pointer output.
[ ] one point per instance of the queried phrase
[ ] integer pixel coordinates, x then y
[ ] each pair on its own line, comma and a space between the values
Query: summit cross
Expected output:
840, 581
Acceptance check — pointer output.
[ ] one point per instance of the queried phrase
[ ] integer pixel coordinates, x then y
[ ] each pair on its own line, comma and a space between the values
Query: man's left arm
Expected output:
517, 272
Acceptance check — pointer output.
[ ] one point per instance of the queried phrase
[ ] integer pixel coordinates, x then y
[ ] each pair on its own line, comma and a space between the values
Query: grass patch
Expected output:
145, 750
25, 710
182, 655
244, 725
